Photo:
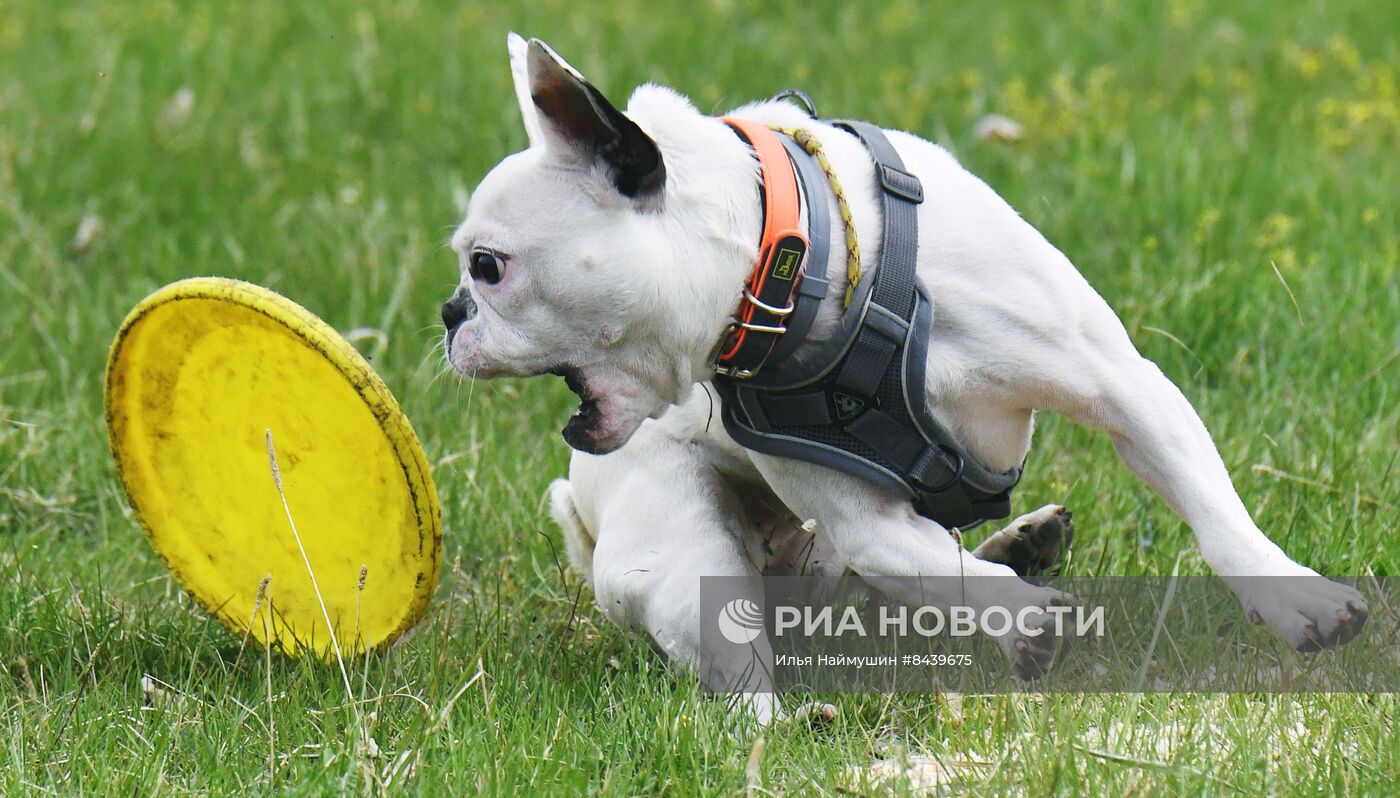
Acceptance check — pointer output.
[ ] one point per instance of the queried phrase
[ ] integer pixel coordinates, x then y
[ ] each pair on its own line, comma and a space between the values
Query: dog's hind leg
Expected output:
1091, 373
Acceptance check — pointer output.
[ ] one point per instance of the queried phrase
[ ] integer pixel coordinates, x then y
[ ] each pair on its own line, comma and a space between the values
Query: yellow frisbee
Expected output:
206, 380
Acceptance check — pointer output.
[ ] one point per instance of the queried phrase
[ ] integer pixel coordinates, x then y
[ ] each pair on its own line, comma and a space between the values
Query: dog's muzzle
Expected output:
457, 310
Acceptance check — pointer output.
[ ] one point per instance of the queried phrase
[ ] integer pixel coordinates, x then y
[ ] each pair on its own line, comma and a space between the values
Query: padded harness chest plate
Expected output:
861, 406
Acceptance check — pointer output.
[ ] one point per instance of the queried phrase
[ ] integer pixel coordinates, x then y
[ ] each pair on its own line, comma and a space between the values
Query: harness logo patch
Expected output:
785, 263
847, 406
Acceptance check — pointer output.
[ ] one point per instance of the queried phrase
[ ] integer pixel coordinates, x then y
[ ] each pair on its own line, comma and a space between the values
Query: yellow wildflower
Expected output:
1276, 228
1344, 51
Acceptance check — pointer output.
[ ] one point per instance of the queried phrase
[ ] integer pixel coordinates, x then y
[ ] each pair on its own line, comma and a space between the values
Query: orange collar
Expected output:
768, 298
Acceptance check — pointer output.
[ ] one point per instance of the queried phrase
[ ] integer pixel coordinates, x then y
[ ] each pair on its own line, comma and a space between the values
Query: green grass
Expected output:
1224, 173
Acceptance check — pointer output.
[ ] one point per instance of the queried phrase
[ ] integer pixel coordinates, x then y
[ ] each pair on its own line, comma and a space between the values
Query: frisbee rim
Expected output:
359, 375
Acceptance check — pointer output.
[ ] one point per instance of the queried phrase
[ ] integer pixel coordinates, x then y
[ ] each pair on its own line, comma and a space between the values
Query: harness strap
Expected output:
892, 298
938, 465
902, 192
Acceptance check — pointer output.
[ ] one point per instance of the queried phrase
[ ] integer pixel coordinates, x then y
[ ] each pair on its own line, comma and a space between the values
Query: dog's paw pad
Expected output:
1032, 544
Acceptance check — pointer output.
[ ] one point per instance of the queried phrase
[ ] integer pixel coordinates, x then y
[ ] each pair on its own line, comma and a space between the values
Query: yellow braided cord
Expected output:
814, 147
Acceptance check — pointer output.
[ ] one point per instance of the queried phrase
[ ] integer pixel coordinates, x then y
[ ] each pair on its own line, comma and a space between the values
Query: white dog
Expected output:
614, 251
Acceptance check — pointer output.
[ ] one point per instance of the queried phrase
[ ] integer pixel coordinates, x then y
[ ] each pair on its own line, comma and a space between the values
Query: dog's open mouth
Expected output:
581, 430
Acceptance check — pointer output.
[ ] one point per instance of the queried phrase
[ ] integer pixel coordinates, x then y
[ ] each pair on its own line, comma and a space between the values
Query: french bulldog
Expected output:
614, 251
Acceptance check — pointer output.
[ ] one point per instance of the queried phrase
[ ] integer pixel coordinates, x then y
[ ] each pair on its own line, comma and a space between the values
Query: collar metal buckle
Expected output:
733, 371
721, 369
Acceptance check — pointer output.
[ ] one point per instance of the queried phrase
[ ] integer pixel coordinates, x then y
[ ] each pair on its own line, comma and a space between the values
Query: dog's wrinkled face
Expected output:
558, 256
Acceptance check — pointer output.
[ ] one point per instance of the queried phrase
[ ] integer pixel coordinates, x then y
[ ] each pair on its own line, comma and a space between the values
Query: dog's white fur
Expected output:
635, 294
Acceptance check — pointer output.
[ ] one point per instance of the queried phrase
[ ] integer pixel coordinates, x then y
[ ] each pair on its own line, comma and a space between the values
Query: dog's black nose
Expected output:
461, 307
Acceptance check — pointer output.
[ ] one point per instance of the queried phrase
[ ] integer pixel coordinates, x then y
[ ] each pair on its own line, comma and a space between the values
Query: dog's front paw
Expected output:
1311, 612
1034, 649
1033, 543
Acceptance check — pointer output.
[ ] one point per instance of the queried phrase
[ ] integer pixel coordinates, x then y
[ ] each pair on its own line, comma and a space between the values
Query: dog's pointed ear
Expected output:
577, 118
520, 74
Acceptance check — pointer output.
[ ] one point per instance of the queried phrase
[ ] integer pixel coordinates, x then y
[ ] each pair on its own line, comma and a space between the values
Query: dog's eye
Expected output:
486, 266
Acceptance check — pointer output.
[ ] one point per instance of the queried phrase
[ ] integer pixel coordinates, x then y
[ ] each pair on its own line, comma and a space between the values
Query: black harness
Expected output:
860, 404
